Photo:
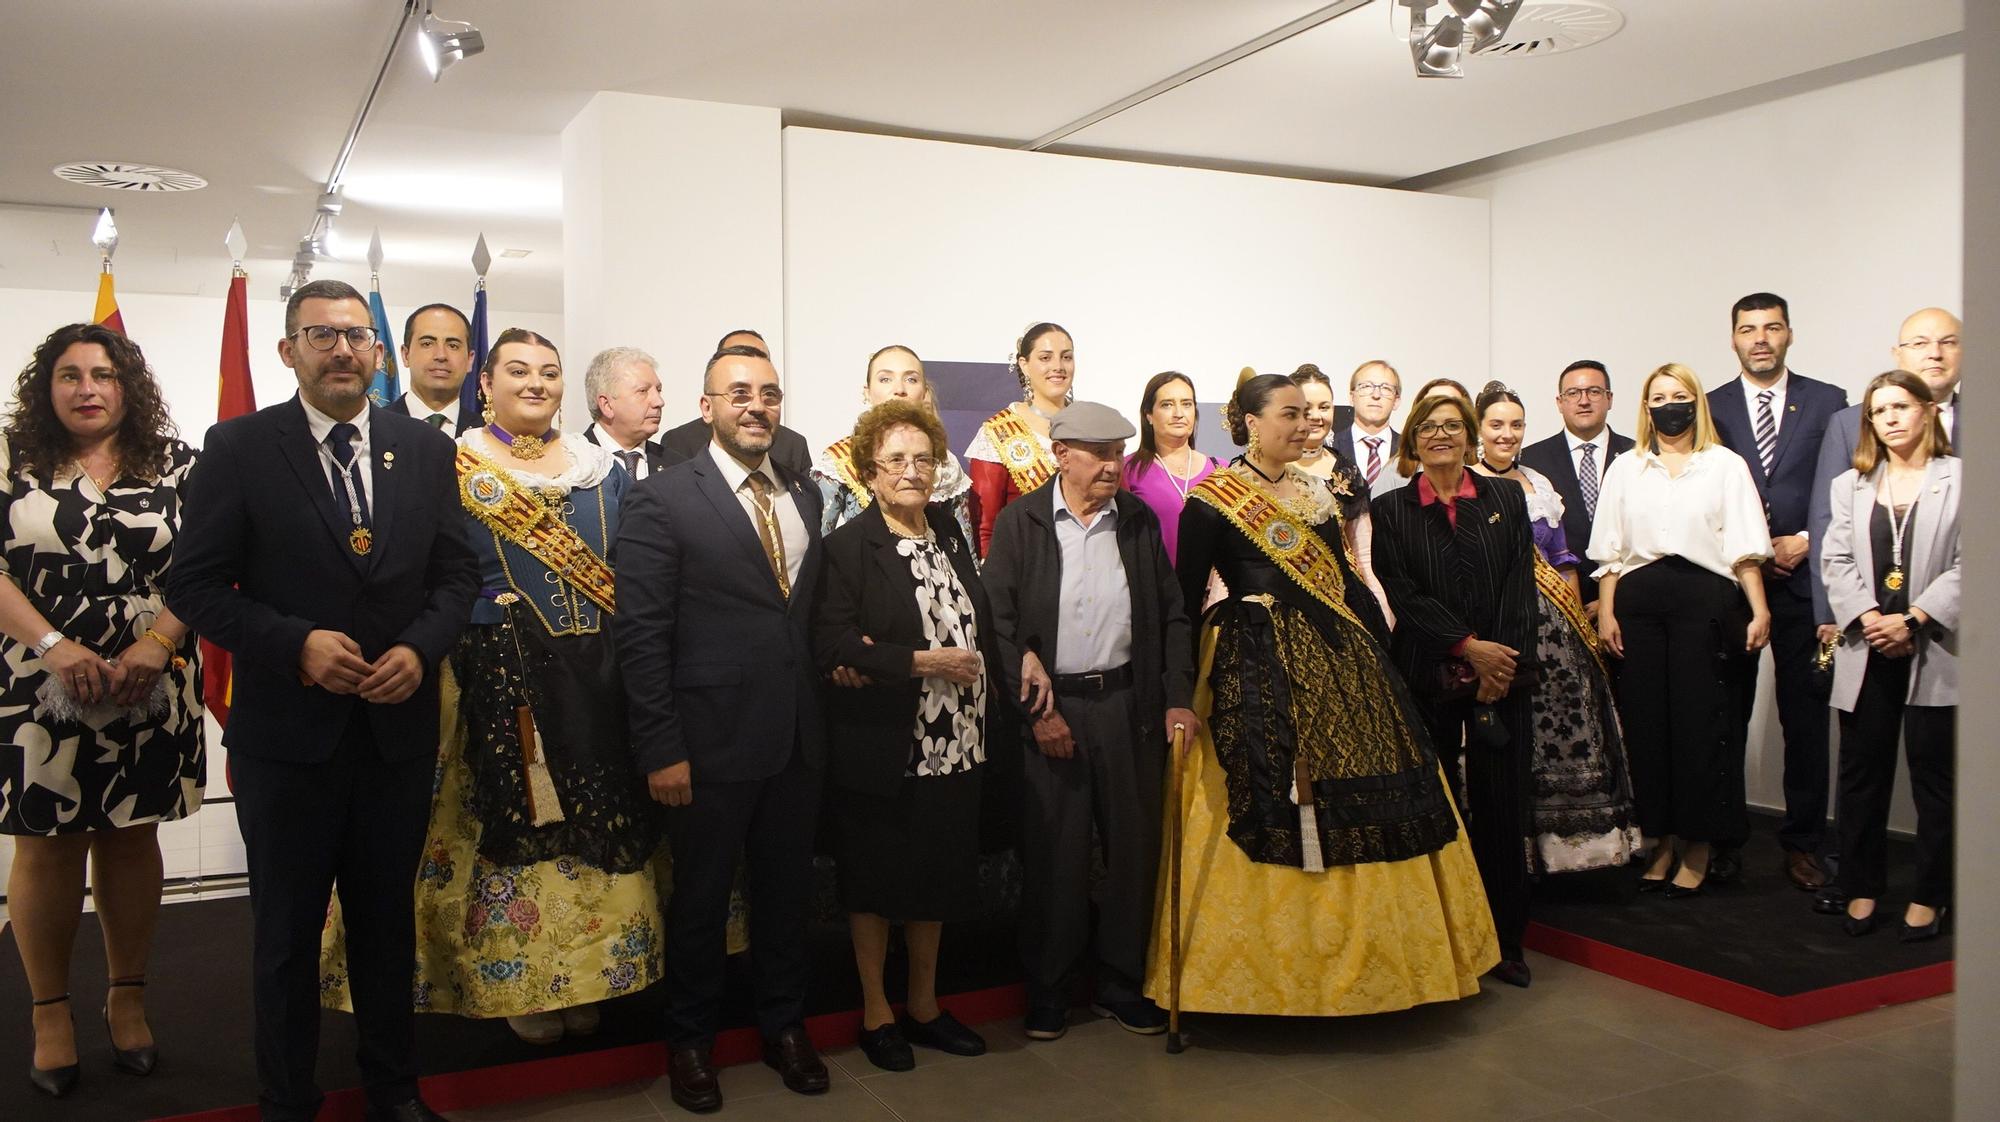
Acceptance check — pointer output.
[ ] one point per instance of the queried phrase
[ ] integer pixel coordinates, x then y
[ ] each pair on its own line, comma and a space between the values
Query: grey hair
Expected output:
604, 370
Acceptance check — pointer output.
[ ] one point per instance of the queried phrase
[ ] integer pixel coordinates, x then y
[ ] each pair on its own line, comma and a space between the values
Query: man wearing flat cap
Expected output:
1097, 645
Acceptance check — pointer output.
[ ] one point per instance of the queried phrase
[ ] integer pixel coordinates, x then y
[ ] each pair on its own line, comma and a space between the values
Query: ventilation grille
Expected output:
115, 176
1540, 29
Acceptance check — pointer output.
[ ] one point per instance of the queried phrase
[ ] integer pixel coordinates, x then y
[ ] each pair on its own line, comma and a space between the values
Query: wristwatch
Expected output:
48, 643
1910, 621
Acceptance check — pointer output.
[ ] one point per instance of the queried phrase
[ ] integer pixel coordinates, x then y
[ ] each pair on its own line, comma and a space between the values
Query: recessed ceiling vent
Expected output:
1554, 28
114, 175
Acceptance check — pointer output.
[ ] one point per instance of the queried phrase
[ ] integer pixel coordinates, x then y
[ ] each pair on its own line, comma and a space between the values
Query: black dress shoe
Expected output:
946, 1034
54, 1082
1858, 926
132, 1061
414, 1110
1726, 865
1929, 930
691, 1080
1512, 971
1682, 892
793, 1057
1654, 884
886, 1048
1830, 901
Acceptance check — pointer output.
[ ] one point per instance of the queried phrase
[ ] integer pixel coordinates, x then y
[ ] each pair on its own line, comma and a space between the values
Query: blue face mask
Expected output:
1673, 418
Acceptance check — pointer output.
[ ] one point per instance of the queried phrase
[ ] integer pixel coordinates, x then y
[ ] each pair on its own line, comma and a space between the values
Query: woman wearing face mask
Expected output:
1166, 467
1679, 536
1323, 459
1011, 455
895, 373
1581, 799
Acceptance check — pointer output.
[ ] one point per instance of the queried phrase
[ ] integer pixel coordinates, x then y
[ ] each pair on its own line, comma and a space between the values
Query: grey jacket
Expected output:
1930, 552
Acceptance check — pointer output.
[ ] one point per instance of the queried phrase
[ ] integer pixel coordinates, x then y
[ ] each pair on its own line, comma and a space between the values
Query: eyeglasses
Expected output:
1377, 389
1893, 409
1918, 346
1576, 393
898, 464
742, 396
320, 337
1449, 428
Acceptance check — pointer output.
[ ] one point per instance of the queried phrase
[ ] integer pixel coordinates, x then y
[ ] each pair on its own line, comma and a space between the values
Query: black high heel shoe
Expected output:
1675, 891
1648, 884
1929, 930
132, 1061
1858, 926
55, 1082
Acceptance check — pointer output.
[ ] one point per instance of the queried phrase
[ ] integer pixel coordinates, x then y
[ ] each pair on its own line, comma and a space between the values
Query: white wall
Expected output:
954, 249
1847, 201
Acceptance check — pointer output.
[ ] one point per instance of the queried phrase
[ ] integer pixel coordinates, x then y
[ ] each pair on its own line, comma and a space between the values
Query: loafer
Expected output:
1139, 1015
1512, 971
795, 1060
946, 1034
1804, 871
412, 1110
886, 1048
1045, 1022
691, 1080
1830, 901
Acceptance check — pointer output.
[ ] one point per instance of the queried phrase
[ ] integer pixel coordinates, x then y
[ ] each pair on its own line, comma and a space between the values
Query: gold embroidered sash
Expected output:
489, 493
1294, 548
1553, 586
840, 460
1019, 450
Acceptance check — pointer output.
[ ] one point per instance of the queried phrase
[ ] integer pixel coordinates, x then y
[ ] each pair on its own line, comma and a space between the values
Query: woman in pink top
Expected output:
1166, 466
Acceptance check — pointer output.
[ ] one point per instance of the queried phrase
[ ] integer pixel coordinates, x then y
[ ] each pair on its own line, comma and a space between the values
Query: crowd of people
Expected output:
551, 717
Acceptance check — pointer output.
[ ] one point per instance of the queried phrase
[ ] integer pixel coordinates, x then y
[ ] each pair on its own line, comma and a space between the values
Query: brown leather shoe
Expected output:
792, 1056
1807, 874
691, 1080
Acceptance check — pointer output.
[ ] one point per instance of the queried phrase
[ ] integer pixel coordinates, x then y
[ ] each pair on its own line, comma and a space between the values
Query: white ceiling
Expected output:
255, 96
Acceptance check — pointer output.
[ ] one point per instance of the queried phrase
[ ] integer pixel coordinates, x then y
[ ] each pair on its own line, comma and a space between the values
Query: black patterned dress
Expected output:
93, 564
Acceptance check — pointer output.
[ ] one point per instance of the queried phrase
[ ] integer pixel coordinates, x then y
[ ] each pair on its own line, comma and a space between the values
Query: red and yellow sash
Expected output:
489, 493
1553, 586
1292, 546
1019, 449
839, 457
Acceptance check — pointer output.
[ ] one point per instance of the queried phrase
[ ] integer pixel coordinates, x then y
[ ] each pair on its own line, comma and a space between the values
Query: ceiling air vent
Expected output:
114, 175
1554, 28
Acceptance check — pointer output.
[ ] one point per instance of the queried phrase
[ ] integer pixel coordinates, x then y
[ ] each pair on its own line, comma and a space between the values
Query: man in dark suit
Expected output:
322, 544
788, 449
718, 563
437, 356
1775, 419
1374, 388
622, 386
1576, 458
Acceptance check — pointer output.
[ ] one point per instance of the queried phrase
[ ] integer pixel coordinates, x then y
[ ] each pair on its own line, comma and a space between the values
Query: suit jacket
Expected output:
1552, 458
656, 456
718, 665
867, 590
1385, 481
1787, 488
789, 450
1445, 584
263, 559
1931, 555
1836, 455
467, 418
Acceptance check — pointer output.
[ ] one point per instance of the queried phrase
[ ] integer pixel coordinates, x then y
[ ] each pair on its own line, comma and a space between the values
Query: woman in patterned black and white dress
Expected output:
100, 704
907, 753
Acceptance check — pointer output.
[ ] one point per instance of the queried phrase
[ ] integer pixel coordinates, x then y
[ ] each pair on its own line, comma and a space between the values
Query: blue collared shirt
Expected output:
1096, 629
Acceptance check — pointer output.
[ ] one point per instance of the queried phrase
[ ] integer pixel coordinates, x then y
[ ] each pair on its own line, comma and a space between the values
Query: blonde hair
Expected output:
1407, 463
1705, 435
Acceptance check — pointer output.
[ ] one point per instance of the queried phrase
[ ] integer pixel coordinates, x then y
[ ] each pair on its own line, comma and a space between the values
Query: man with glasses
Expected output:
1374, 388
438, 355
1576, 458
322, 544
718, 561
787, 447
1094, 637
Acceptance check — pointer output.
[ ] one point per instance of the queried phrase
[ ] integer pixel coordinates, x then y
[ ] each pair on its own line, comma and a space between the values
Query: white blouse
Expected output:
1710, 514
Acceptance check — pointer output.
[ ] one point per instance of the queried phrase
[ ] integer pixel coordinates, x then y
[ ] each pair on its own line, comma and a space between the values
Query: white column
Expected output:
673, 223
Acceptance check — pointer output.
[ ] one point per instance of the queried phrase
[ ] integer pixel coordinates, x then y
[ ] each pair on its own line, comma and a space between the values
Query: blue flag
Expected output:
468, 391
386, 386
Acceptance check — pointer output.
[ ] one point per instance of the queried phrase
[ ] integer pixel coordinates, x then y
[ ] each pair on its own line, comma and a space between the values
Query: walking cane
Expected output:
1174, 767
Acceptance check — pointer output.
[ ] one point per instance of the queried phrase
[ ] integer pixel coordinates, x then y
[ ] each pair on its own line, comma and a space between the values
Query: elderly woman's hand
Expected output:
87, 677
954, 664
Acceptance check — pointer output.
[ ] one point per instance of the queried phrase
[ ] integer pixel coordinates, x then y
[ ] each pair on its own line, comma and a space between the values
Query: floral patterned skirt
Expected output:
1583, 816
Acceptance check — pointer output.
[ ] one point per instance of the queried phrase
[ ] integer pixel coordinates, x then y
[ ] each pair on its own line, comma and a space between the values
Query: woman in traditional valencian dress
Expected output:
537, 893
894, 372
1011, 455
1325, 871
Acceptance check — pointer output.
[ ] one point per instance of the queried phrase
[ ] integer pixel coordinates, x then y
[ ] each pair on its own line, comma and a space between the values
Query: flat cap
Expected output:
1090, 423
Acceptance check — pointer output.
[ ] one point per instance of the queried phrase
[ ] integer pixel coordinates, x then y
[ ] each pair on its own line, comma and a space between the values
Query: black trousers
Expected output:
768, 824
356, 823
1868, 777
1112, 783
1491, 787
1681, 695
1802, 714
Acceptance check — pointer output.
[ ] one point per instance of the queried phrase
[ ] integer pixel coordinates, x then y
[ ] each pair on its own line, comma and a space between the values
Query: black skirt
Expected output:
913, 855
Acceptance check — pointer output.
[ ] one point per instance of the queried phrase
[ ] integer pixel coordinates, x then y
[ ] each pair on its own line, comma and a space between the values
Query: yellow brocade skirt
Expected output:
1277, 940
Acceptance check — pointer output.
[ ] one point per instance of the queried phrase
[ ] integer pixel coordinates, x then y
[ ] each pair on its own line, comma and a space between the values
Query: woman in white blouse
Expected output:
1679, 536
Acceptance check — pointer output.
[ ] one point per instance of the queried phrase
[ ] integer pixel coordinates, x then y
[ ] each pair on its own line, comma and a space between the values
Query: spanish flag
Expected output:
234, 397
107, 304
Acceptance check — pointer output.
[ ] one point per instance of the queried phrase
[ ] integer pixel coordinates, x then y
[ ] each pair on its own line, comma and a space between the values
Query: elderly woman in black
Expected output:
907, 752
1456, 554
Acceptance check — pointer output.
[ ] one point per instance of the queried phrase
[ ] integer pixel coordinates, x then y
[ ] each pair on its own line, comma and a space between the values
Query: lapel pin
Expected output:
1494, 517
388, 460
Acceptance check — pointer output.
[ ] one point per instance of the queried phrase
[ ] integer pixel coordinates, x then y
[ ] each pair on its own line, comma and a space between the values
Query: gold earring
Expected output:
1253, 450
485, 409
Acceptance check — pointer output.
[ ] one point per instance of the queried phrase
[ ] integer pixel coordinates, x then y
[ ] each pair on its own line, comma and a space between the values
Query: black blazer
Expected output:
718, 666
468, 419
866, 589
1787, 489
1446, 584
656, 456
263, 558
789, 450
1552, 458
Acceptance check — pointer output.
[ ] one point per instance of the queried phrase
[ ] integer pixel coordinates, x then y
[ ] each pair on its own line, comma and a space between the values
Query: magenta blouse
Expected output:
1162, 490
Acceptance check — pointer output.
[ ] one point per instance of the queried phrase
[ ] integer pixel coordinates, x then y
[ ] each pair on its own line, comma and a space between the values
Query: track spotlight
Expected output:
444, 41
1437, 48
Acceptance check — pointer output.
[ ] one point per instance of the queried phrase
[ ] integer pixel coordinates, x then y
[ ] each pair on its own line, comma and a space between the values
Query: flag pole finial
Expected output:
105, 236
375, 260
238, 246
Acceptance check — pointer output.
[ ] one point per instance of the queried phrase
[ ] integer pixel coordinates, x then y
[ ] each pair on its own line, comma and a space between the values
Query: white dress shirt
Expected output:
1600, 459
321, 425
421, 410
1710, 514
791, 524
1777, 388
1096, 631
639, 468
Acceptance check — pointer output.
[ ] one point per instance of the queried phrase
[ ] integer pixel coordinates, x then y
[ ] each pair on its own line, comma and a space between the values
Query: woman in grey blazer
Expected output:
1890, 563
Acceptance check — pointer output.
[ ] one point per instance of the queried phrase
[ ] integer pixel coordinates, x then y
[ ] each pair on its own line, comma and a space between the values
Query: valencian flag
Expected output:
386, 386
234, 397
468, 390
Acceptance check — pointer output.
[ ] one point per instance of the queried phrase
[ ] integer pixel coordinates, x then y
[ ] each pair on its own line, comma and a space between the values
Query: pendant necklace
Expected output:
1897, 525
1182, 483
522, 447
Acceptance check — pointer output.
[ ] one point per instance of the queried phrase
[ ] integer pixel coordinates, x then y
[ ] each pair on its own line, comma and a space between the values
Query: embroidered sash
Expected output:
839, 457
1295, 549
1020, 452
1553, 586
489, 493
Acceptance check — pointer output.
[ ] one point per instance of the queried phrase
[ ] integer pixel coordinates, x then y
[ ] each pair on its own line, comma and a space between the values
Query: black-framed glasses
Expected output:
321, 337
898, 464
1575, 393
742, 396
1449, 428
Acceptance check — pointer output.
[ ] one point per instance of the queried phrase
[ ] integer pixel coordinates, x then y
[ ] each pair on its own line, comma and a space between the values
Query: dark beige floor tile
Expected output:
1579, 1061
1573, 1114
1927, 1045
1262, 1101
1005, 1085
1851, 1081
622, 1102
1695, 1032
1722, 1097
1137, 1072
1886, 1019
844, 1102
1301, 1045
1945, 1001
1437, 1084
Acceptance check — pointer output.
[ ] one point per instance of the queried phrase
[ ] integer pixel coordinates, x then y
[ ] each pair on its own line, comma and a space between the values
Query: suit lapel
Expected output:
1863, 531
730, 513
295, 441
1920, 548
806, 500
1797, 397
386, 448
1732, 415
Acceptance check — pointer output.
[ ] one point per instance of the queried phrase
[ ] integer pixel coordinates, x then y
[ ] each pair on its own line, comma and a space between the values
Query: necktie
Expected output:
631, 462
768, 533
1374, 469
1586, 477
438, 421
1767, 431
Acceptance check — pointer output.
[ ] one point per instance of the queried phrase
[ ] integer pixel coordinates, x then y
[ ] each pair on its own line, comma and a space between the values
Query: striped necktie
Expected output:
1767, 431
1374, 468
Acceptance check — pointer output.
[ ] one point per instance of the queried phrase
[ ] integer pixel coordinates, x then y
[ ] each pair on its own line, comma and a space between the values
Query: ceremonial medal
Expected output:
1019, 451
360, 540
1894, 581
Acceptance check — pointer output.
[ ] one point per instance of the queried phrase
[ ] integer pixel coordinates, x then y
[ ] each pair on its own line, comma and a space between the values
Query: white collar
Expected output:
422, 411
1751, 389
734, 473
602, 435
1601, 441
322, 425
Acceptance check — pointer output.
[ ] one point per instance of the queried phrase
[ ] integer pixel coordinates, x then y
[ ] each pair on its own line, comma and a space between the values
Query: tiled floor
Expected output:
1577, 1047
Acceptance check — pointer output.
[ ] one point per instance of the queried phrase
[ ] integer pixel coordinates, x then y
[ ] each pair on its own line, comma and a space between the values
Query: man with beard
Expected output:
788, 448
1775, 419
437, 354
622, 388
718, 563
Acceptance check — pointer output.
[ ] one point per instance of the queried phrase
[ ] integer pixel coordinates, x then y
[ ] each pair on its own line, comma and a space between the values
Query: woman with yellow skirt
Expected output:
1324, 869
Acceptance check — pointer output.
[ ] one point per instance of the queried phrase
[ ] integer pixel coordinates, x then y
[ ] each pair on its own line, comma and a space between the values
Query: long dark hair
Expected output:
1149, 445
1253, 392
39, 441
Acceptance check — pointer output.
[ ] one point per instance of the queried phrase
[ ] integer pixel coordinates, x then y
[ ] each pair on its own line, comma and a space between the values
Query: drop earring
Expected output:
485, 408
1254, 449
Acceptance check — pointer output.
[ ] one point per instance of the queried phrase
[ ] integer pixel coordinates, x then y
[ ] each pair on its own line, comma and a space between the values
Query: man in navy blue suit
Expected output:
1576, 458
1775, 419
